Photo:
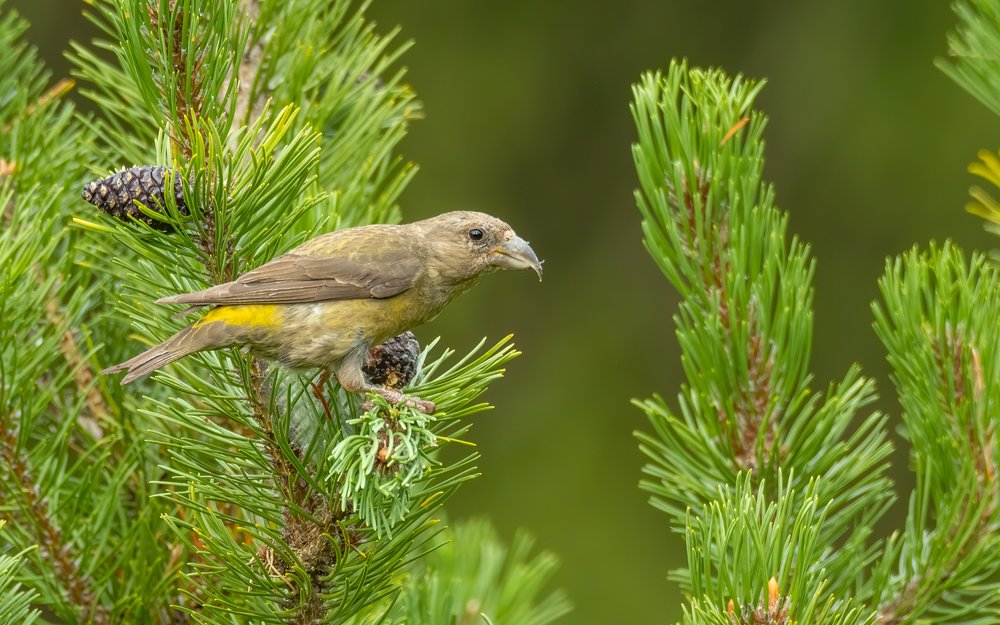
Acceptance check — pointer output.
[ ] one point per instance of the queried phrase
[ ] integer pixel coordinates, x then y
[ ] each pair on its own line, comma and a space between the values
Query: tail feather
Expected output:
176, 347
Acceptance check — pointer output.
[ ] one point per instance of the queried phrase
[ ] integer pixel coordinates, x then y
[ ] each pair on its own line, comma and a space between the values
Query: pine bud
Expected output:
773, 594
117, 194
393, 363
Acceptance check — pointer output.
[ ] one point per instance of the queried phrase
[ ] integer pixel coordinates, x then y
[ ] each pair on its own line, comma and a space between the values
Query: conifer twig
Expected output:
186, 108
949, 356
49, 538
755, 395
309, 521
747, 418
753, 401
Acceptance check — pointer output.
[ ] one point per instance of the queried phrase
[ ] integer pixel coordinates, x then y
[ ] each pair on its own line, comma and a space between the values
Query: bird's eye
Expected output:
475, 234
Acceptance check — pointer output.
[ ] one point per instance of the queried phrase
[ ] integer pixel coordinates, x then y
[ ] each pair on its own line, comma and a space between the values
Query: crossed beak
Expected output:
515, 253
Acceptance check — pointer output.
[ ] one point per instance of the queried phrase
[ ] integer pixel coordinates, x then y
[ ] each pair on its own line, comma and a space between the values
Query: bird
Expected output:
324, 304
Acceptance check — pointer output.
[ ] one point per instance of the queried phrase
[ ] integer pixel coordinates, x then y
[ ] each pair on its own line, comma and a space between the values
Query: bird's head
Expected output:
467, 244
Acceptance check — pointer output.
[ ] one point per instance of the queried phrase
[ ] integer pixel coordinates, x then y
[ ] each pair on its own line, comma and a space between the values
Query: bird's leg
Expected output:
353, 380
318, 390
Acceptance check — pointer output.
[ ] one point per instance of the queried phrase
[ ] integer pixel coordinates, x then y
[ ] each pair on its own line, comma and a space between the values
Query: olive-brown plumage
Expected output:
325, 303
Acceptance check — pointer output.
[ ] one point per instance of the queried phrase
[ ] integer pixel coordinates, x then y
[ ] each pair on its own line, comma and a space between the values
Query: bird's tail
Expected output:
187, 341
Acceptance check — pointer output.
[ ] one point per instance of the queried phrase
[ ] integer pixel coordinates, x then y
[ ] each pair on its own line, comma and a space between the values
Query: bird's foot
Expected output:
397, 398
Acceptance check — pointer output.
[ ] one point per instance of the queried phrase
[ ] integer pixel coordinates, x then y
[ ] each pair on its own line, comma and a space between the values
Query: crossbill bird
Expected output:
327, 302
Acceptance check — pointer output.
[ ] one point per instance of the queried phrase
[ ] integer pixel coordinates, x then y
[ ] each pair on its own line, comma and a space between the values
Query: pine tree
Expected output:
220, 490
777, 488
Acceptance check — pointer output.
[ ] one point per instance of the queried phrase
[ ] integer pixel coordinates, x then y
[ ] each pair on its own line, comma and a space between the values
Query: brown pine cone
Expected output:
117, 194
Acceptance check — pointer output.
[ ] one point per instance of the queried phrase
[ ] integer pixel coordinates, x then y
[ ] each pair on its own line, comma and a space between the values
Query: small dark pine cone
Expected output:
116, 195
393, 364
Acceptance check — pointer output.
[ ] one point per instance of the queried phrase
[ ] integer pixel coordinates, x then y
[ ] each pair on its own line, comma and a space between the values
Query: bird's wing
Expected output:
359, 263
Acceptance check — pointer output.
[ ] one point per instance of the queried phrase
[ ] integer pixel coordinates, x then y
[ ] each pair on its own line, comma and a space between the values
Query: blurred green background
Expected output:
527, 118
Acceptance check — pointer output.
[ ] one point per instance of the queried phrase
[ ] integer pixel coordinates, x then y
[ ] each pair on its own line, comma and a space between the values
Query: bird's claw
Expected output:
396, 398
423, 405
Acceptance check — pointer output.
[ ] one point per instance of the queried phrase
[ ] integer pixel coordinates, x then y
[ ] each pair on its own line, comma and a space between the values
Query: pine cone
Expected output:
393, 363
116, 195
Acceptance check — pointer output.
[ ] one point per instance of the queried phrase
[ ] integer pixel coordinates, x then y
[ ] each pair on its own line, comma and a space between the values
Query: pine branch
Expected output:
745, 324
225, 195
937, 323
68, 488
61, 556
41, 364
745, 337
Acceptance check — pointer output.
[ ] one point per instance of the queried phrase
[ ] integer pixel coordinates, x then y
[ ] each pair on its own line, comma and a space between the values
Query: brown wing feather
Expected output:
366, 262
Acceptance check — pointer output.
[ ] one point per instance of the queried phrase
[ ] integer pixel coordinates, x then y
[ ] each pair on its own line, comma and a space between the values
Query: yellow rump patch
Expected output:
255, 315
